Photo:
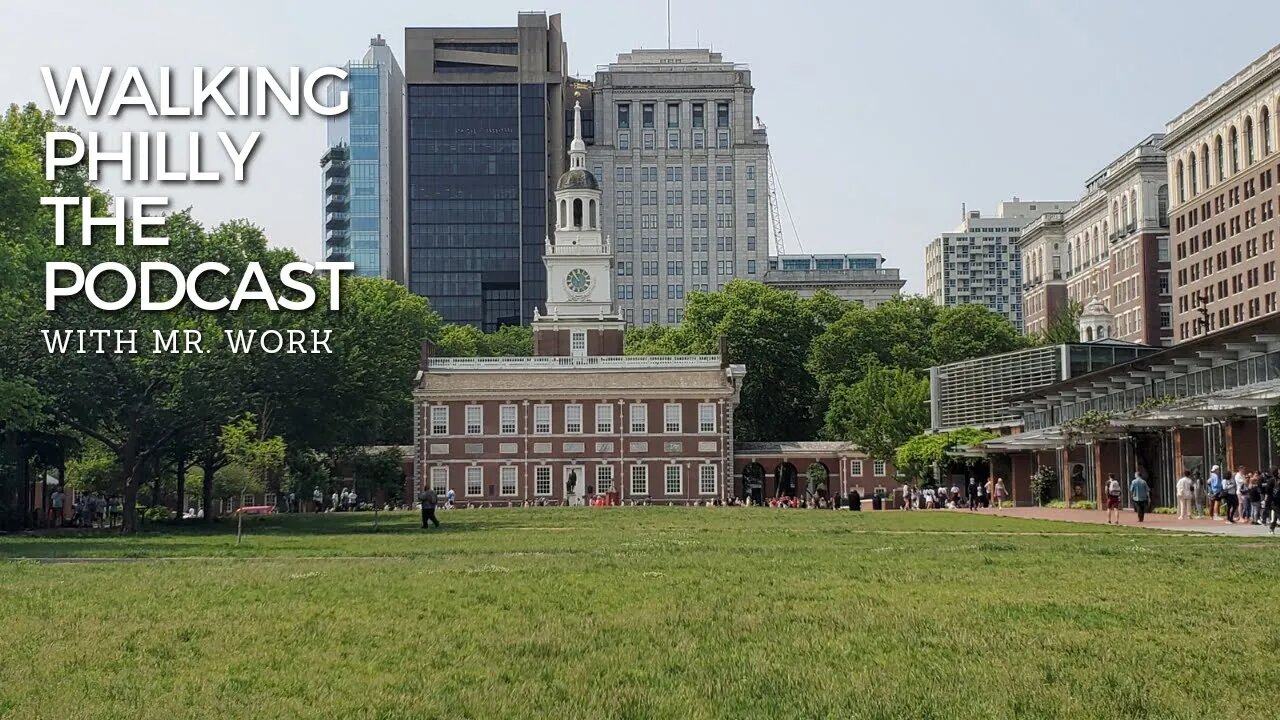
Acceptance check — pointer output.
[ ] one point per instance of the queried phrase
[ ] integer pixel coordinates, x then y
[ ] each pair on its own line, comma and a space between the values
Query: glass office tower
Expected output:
363, 167
485, 133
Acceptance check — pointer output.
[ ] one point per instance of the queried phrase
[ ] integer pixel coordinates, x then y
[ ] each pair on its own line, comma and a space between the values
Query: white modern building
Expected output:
979, 263
675, 135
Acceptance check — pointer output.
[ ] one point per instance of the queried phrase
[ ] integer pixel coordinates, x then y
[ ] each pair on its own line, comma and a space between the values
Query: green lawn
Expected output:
642, 613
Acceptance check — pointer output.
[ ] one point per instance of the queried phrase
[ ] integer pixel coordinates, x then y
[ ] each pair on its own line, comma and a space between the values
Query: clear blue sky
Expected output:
883, 117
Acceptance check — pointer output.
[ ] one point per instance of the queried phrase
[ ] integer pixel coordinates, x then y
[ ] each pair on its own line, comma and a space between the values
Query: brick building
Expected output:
579, 419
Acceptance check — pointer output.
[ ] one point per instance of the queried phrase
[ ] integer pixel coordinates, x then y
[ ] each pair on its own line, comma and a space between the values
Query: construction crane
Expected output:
775, 214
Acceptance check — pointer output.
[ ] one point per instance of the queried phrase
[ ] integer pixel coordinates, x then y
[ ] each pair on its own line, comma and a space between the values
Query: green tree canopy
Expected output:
881, 411
962, 332
917, 457
1063, 327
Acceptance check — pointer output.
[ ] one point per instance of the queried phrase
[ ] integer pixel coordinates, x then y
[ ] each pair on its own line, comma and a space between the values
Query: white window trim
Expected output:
432, 420
514, 473
466, 484
666, 419
466, 419
439, 473
574, 337
515, 420
602, 469
715, 479
537, 422
855, 468
666, 480
880, 468
631, 479
568, 430
550, 485
701, 425
644, 419
602, 429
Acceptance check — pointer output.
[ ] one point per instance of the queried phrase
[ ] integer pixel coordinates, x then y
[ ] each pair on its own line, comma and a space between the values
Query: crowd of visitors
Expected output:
973, 496
1239, 497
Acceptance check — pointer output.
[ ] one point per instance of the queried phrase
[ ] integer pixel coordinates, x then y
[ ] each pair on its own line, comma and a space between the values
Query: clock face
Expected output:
578, 281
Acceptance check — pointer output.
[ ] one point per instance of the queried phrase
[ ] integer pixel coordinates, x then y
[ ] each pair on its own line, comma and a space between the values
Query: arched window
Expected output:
1222, 162
1070, 255
1115, 214
1088, 334
1204, 165
1235, 150
577, 212
1133, 210
591, 217
1248, 141
1195, 178
1265, 121
1162, 205
1182, 179
1124, 211
1106, 233
564, 214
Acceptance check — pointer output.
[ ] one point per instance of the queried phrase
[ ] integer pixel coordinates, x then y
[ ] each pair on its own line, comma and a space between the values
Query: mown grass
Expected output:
642, 613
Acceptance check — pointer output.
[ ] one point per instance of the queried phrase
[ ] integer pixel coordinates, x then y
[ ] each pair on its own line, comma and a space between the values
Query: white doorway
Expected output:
575, 485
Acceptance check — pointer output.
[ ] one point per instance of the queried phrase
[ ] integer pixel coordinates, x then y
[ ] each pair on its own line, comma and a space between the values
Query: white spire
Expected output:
578, 148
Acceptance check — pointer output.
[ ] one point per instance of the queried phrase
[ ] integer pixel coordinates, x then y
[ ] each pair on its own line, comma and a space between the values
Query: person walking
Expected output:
58, 499
334, 501
317, 499
971, 494
1255, 499
1230, 496
428, 499
1000, 491
1198, 491
1113, 500
448, 495
1185, 490
1274, 503
1140, 493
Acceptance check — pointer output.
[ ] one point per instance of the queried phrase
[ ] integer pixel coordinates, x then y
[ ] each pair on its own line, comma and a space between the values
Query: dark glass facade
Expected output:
478, 200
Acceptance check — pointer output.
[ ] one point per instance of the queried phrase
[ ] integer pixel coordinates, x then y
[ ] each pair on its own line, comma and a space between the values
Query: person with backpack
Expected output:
1113, 500
1214, 495
428, 500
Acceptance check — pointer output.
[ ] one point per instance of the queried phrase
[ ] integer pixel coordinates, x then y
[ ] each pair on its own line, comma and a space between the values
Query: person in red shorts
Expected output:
1113, 499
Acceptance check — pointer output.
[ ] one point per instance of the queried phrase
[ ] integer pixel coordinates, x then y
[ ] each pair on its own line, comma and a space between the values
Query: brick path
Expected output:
1130, 519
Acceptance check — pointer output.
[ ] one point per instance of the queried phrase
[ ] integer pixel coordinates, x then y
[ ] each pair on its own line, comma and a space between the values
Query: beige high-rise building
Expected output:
1109, 252
1223, 166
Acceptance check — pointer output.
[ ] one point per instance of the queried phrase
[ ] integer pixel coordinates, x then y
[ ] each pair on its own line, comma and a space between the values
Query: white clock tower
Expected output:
581, 319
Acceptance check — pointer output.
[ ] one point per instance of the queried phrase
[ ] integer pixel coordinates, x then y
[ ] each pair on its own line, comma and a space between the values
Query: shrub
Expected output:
1085, 505
1056, 504
1043, 483
1165, 511
155, 514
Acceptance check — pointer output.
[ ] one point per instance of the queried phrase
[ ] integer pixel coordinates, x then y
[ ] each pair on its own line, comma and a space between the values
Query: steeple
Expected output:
577, 148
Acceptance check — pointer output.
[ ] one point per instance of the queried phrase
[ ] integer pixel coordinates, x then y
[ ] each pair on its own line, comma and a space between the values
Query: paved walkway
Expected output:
1130, 519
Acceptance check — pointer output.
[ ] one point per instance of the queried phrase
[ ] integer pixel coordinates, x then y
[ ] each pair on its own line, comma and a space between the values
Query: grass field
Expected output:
642, 613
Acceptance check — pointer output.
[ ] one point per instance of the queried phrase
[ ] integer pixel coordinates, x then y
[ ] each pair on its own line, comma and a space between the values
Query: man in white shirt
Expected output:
1185, 491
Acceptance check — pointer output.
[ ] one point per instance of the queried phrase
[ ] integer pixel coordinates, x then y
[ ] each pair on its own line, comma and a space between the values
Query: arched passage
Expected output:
818, 480
753, 483
786, 480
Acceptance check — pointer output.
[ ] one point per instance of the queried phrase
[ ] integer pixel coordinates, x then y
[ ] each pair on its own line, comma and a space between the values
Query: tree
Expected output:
881, 411
1063, 327
896, 333
249, 447
918, 457
767, 329
963, 332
